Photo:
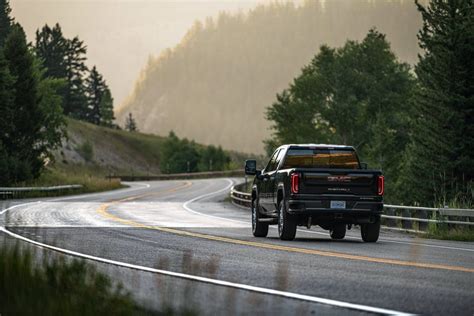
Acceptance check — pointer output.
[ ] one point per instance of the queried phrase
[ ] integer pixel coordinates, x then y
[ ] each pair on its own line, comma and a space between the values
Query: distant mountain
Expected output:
215, 85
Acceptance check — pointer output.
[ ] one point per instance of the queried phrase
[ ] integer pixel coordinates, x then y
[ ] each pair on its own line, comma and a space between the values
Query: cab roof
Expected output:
328, 146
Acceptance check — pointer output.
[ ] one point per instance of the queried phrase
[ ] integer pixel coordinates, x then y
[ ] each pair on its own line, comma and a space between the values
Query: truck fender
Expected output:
280, 193
254, 192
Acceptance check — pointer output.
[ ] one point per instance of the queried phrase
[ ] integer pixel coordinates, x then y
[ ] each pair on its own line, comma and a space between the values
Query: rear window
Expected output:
321, 158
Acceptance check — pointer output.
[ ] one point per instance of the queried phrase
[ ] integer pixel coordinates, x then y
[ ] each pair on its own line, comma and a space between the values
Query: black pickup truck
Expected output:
325, 185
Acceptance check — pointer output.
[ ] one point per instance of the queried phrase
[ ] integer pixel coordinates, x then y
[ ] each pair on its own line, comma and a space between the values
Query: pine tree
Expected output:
51, 48
26, 118
7, 110
6, 101
6, 21
130, 124
64, 58
106, 108
75, 100
95, 91
441, 156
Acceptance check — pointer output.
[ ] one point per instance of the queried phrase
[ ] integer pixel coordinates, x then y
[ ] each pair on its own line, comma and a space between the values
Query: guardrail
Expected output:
17, 192
396, 217
180, 176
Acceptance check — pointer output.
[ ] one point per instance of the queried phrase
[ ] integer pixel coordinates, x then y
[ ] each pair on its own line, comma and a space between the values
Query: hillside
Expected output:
214, 87
109, 150
100, 151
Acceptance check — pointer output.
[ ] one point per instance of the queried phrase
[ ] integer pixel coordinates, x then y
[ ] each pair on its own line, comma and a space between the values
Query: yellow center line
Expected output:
103, 211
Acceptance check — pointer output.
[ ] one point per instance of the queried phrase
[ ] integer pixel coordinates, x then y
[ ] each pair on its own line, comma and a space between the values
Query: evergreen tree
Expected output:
51, 48
7, 110
440, 160
35, 123
64, 58
95, 89
6, 21
106, 108
130, 124
75, 100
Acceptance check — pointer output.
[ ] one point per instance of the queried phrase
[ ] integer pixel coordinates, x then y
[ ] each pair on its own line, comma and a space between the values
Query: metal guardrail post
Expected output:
406, 224
423, 226
388, 221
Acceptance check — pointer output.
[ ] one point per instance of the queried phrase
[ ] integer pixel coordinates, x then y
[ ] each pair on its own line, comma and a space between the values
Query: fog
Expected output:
121, 35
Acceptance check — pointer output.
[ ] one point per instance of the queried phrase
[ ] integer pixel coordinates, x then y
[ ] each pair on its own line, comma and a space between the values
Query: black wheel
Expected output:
286, 224
338, 231
370, 232
258, 229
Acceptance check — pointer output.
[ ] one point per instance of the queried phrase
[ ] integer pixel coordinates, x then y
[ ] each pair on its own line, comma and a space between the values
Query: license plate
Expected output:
338, 204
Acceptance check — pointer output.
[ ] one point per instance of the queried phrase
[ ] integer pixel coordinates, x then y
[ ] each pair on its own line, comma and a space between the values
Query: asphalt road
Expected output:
190, 227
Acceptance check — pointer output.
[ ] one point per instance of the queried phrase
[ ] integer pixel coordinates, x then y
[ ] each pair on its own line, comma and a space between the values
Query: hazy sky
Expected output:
121, 34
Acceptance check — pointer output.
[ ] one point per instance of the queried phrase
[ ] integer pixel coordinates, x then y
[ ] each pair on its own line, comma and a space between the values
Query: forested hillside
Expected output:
214, 86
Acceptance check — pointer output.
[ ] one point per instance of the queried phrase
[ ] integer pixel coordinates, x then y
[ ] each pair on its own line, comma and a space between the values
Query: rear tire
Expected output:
370, 232
286, 224
258, 229
338, 231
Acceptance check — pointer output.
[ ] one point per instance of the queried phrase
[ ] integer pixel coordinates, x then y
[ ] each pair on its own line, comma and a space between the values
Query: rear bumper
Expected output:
354, 207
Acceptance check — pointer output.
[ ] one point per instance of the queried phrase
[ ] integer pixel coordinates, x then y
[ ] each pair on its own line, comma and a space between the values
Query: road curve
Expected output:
183, 242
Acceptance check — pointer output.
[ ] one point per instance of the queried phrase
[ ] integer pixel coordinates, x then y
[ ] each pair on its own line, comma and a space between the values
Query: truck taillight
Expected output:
295, 183
380, 185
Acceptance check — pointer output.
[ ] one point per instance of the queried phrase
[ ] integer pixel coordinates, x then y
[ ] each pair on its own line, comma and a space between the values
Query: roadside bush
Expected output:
178, 155
86, 151
213, 159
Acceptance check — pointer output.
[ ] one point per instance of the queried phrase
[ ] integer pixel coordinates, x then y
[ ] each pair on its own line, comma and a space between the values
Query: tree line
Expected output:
39, 84
85, 94
181, 155
417, 126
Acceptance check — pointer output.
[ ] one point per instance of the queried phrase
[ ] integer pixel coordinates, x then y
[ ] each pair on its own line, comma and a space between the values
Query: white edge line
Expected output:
187, 208
212, 281
18, 205
79, 196
296, 296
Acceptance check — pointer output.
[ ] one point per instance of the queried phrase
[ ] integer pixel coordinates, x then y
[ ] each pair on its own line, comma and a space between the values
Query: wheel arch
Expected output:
280, 193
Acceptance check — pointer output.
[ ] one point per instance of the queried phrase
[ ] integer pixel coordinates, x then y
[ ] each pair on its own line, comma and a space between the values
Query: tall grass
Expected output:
92, 178
54, 285
447, 231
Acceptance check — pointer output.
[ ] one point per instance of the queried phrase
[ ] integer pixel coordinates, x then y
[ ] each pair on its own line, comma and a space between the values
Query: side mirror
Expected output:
363, 165
251, 167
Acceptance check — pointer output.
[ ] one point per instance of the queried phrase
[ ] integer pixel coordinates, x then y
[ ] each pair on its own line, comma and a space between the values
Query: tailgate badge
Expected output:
339, 179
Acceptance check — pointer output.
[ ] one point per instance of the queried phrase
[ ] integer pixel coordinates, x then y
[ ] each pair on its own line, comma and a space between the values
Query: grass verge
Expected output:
442, 231
58, 287
92, 178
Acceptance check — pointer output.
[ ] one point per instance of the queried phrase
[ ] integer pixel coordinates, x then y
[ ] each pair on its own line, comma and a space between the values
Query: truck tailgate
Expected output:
334, 181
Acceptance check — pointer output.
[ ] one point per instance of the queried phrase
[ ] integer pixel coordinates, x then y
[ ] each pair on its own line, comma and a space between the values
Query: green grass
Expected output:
56, 286
104, 152
145, 144
451, 234
139, 153
92, 178
445, 232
